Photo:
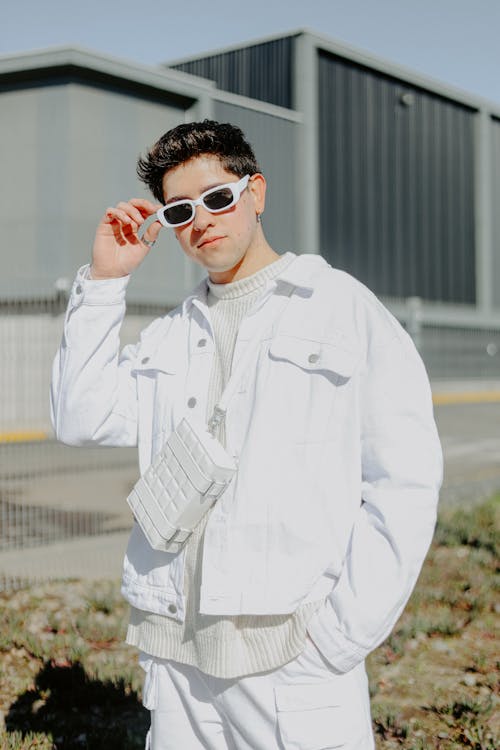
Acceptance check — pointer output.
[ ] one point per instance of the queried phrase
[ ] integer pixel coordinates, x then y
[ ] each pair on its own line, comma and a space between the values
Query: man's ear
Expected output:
257, 186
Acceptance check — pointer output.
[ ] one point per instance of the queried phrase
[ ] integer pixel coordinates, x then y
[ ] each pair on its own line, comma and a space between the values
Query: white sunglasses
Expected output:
215, 200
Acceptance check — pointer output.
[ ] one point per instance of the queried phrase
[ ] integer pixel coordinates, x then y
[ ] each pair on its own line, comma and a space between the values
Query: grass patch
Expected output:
434, 681
476, 528
67, 680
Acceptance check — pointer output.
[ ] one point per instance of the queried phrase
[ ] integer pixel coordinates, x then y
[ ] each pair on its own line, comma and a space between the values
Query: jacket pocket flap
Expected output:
163, 351
156, 362
308, 697
315, 355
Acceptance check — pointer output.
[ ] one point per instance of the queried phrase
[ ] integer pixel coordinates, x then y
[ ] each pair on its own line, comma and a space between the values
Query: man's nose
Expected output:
202, 218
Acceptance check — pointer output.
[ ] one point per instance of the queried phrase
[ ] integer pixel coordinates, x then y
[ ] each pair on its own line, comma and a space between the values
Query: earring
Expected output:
259, 218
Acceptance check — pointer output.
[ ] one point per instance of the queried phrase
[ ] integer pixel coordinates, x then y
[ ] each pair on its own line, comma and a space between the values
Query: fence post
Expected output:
414, 320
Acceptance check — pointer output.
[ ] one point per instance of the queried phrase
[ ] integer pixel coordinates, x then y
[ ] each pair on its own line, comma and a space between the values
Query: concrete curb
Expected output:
465, 397
471, 391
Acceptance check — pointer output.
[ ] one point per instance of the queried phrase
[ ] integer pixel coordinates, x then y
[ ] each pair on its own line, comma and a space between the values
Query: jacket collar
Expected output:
197, 297
299, 274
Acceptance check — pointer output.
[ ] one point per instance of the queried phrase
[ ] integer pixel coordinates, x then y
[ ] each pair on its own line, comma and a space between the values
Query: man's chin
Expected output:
222, 273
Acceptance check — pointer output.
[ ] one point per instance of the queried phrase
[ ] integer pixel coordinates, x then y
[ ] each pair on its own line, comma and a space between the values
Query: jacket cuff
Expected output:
342, 653
87, 291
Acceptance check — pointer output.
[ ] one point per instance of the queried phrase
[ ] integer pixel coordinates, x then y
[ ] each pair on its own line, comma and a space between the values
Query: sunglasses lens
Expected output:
178, 214
218, 199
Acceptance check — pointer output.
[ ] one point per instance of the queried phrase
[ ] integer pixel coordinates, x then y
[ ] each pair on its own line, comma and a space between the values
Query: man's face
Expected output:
219, 242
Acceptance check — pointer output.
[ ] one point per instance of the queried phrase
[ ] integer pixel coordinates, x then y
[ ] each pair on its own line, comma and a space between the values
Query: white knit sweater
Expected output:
223, 646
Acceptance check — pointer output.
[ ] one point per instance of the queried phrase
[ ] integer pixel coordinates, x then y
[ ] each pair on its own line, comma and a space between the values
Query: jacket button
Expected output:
192, 402
78, 289
172, 608
202, 342
144, 361
313, 358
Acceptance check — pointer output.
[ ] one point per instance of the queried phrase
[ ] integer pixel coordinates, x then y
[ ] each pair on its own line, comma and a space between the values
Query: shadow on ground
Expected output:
79, 711
23, 525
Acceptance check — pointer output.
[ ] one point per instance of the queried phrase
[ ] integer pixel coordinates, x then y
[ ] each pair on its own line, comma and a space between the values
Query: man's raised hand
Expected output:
117, 249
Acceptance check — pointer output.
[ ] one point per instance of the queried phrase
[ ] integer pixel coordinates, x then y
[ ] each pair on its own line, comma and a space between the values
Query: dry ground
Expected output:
68, 681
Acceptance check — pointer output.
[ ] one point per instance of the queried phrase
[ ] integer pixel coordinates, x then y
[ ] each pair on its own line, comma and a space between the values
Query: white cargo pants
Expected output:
303, 705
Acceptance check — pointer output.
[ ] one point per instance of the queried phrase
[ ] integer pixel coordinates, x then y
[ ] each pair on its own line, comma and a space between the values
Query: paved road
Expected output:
52, 495
20, 460
49, 474
470, 435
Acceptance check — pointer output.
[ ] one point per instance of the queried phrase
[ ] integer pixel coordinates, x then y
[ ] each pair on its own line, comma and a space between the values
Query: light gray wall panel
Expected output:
396, 179
33, 140
67, 152
274, 142
108, 132
495, 197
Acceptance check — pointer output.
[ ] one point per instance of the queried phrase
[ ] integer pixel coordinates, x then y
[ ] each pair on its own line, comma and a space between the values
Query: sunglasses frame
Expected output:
236, 189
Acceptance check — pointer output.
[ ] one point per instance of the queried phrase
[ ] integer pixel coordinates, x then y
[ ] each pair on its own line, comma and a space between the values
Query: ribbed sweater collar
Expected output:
242, 287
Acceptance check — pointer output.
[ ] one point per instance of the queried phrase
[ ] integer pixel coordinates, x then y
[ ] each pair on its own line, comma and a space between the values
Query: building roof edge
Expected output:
61, 56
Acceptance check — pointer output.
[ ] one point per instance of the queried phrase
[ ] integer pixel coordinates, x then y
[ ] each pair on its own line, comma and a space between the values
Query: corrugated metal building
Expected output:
402, 173
73, 124
71, 128
391, 176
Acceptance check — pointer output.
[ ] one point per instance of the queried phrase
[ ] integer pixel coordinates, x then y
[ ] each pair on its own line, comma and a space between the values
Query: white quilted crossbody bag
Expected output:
189, 474
182, 483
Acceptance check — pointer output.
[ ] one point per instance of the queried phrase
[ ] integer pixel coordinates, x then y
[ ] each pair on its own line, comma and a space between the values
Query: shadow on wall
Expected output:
79, 711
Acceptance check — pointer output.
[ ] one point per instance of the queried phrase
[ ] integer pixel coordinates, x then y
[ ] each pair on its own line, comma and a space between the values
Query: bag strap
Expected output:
220, 409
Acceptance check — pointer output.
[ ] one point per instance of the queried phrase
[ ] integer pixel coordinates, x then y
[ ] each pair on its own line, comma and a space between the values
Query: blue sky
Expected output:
454, 41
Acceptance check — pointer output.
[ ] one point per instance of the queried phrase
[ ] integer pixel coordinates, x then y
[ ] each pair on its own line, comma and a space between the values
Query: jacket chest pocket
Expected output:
308, 387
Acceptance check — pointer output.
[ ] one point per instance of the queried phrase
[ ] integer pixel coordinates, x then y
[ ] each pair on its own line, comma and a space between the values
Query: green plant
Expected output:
478, 527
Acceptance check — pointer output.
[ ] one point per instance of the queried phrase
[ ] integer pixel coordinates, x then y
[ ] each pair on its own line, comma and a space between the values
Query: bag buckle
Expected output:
216, 419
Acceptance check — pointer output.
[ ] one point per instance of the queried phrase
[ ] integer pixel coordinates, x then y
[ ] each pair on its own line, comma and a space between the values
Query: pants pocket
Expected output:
318, 716
150, 687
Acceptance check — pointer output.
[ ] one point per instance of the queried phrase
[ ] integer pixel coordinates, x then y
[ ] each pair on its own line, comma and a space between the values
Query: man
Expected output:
254, 635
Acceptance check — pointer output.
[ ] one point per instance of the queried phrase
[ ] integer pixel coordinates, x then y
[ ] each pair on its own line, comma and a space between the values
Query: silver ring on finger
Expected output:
149, 243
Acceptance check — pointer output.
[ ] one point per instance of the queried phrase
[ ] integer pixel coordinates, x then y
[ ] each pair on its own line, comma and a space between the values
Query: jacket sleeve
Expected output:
93, 394
401, 476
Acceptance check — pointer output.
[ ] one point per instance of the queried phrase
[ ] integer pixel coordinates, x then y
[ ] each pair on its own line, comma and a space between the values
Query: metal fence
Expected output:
461, 353
453, 348
51, 495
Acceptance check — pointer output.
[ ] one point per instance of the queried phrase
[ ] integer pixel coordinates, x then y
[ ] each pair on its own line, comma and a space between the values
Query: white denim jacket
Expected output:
339, 461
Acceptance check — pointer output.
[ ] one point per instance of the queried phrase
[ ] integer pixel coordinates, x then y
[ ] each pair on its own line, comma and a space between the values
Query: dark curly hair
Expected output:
188, 140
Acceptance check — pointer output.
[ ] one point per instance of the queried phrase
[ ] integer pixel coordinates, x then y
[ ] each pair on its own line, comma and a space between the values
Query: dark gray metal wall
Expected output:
396, 184
495, 197
262, 71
